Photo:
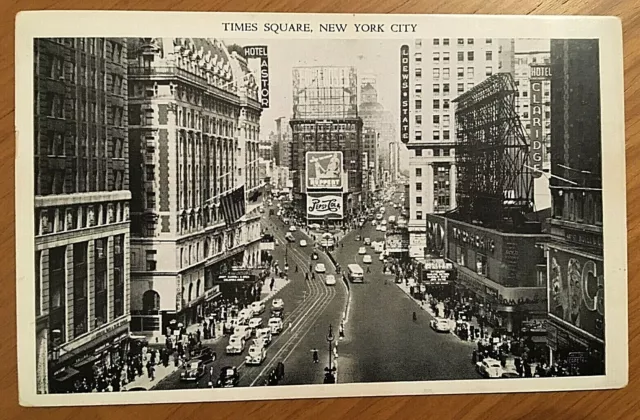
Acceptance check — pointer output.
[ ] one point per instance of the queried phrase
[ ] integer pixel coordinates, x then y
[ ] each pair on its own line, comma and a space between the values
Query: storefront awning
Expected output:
65, 374
86, 361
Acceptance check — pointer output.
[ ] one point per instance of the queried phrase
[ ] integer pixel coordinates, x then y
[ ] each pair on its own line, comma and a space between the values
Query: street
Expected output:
310, 306
382, 342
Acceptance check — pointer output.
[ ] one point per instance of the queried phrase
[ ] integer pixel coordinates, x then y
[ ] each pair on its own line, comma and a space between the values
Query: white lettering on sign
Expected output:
324, 206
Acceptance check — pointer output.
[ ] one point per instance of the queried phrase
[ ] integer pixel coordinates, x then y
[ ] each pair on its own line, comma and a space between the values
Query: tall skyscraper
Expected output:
81, 208
576, 324
441, 69
194, 130
325, 119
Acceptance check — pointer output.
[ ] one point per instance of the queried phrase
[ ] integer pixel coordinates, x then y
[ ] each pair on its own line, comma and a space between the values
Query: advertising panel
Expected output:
538, 75
324, 170
437, 271
404, 93
260, 52
397, 242
436, 237
324, 205
576, 291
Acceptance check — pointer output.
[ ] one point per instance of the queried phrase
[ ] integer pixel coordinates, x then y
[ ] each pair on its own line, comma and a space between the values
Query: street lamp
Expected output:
329, 377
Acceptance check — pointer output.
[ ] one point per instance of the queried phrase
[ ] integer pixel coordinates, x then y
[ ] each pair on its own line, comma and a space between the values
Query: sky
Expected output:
378, 57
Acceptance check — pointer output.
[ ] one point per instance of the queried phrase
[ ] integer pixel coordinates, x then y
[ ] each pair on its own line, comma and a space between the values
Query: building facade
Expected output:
502, 271
325, 118
535, 114
442, 69
283, 142
576, 326
81, 209
192, 128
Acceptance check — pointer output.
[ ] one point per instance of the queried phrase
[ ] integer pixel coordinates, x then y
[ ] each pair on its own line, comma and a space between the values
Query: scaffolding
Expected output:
325, 93
494, 182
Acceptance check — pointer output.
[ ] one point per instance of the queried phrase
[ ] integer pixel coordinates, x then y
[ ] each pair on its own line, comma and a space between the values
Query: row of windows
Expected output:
446, 135
61, 107
488, 56
62, 328
55, 220
445, 88
99, 47
446, 72
459, 41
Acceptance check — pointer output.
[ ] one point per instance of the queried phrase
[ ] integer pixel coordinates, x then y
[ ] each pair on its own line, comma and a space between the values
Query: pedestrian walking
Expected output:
296, 268
368, 269
315, 355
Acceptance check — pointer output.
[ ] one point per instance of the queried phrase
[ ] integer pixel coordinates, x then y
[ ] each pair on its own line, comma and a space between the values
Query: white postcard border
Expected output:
31, 25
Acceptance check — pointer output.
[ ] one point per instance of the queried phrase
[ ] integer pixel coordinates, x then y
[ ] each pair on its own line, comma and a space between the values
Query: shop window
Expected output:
481, 264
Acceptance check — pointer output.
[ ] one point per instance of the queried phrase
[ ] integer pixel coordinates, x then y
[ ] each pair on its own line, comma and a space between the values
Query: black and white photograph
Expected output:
391, 204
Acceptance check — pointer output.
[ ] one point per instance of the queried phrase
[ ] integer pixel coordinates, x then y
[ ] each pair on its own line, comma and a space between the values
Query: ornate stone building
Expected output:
81, 209
194, 130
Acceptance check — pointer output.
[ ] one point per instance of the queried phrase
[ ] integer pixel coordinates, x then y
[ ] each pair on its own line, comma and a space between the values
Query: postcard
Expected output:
240, 206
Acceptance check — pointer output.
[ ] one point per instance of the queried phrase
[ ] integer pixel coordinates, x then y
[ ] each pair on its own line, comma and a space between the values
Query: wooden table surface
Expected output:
621, 404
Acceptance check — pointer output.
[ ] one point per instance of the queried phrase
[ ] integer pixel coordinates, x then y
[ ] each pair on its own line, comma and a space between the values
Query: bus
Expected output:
355, 273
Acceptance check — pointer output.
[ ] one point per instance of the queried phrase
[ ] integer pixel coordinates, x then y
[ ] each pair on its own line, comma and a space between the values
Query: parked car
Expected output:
206, 355
193, 370
257, 308
489, 368
440, 325
229, 377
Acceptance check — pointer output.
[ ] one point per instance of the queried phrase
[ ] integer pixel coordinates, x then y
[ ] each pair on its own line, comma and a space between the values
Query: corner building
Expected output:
186, 118
442, 69
81, 210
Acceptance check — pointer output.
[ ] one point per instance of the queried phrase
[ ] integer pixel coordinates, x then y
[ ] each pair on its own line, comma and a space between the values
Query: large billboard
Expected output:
325, 206
324, 171
576, 290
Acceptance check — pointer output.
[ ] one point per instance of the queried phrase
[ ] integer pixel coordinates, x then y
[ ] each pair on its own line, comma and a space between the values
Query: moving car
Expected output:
277, 303
236, 344
303, 243
383, 229
379, 228
292, 228
246, 313
277, 313
256, 355
320, 268
367, 241
205, 355
228, 378
230, 326
263, 335
330, 280
289, 237
362, 250
489, 368
275, 324
440, 325
255, 323
243, 331
193, 370
366, 259
379, 216
257, 308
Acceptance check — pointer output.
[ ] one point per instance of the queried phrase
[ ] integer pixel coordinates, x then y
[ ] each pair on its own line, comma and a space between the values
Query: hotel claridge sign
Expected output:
214, 212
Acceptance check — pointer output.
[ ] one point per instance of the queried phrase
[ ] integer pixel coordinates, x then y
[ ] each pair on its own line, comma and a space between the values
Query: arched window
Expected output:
190, 292
150, 301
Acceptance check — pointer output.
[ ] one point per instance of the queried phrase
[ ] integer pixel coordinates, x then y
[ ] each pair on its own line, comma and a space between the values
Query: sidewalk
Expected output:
427, 307
146, 383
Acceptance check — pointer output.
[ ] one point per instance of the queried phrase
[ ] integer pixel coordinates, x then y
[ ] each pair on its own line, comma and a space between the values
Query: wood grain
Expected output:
621, 404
